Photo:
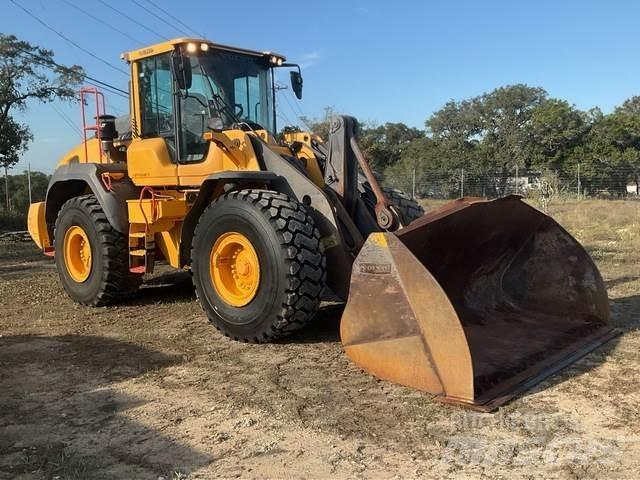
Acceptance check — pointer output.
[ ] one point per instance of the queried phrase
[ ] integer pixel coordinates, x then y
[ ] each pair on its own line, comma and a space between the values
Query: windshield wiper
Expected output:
221, 106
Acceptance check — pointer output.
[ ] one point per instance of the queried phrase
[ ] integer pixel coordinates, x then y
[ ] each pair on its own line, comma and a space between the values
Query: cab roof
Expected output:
170, 45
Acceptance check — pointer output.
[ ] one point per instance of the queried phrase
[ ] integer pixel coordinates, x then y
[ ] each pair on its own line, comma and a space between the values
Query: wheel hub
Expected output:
77, 254
235, 269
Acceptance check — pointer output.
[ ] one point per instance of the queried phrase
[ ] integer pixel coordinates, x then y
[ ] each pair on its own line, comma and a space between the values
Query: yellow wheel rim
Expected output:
77, 254
235, 269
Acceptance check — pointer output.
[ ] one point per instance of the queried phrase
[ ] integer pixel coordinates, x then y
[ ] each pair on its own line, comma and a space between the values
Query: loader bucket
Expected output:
474, 302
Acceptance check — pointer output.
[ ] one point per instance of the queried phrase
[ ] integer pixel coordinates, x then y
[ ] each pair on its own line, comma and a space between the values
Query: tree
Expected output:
320, 126
487, 134
14, 140
505, 114
422, 161
457, 127
611, 152
383, 145
631, 106
555, 130
19, 187
27, 72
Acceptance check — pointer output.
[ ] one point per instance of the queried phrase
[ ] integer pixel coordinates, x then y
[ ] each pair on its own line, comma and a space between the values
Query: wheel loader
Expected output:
472, 302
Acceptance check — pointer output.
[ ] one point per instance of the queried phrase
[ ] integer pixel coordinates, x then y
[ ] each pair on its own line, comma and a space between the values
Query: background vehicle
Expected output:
472, 302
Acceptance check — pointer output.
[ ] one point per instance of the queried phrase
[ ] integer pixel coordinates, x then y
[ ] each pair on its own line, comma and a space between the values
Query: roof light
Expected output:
191, 47
204, 47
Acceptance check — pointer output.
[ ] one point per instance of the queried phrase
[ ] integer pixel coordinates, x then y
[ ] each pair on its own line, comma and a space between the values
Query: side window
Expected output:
194, 115
156, 99
247, 97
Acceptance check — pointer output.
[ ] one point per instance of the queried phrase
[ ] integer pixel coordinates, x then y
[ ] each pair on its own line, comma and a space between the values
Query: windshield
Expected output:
234, 86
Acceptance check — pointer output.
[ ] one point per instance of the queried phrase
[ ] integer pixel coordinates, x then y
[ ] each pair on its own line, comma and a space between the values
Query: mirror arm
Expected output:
292, 65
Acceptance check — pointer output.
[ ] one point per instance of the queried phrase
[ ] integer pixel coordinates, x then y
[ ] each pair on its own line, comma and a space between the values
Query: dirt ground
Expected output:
149, 390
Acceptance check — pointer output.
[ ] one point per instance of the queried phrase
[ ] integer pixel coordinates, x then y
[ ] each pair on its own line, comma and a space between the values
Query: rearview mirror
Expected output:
216, 124
296, 83
182, 70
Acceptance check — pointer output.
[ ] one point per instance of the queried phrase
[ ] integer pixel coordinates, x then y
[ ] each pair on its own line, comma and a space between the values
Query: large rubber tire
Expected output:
109, 279
292, 265
406, 206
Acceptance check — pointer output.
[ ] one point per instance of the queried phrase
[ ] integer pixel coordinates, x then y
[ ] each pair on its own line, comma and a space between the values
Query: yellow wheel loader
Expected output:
472, 302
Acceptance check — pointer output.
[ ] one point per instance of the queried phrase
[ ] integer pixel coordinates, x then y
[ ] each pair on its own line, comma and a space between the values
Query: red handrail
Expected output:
100, 110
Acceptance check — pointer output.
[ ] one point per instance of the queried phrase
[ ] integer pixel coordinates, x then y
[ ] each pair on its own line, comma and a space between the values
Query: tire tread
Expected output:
306, 274
117, 282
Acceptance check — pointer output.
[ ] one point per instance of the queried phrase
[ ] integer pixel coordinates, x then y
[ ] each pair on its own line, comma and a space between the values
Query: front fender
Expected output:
214, 183
77, 179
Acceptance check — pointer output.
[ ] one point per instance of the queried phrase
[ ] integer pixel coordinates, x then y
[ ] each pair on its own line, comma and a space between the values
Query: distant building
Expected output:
522, 184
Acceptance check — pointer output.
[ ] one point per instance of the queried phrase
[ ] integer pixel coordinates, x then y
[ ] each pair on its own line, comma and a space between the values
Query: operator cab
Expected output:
186, 87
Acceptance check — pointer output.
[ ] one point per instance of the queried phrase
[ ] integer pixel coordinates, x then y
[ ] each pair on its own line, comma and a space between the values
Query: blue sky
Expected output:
377, 60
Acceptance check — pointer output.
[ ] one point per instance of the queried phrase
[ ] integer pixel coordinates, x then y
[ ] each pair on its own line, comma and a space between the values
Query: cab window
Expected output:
156, 99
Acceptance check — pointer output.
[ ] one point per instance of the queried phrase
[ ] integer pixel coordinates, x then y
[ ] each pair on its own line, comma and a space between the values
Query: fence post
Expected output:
579, 185
461, 182
6, 186
413, 183
29, 181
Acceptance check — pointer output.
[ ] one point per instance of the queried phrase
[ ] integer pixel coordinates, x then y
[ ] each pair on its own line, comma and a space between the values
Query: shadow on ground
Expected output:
171, 286
625, 312
61, 418
176, 287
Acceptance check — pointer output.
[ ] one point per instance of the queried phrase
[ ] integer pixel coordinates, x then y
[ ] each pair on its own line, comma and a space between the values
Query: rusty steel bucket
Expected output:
474, 302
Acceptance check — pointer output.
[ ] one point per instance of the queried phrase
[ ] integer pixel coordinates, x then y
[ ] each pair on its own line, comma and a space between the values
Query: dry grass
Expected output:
610, 231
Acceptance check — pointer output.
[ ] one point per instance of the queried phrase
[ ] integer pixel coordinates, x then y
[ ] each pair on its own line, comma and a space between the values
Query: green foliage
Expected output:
12, 222
520, 126
555, 130
385, 144
320, 126
28, 72
19, 191
612, 149
491, 135
14, 140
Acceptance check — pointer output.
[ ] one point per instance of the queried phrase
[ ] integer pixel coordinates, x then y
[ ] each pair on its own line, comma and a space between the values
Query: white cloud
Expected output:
308, 59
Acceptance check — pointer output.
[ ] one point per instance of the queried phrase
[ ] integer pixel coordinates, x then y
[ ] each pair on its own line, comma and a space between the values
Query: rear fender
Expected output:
69, 181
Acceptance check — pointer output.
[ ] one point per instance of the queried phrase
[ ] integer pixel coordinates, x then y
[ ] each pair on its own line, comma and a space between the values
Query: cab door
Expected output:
152, 155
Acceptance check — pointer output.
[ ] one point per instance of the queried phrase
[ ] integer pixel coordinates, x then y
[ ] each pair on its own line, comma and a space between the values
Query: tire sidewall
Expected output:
241, 216
74, 215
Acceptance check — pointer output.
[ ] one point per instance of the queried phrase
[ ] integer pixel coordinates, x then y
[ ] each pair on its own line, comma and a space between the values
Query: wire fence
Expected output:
539, 185
528, 183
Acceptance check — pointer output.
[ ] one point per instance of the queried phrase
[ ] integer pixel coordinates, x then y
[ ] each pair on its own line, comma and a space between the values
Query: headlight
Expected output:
204, 47
191, 47
276, 60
